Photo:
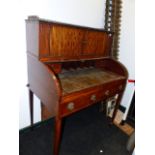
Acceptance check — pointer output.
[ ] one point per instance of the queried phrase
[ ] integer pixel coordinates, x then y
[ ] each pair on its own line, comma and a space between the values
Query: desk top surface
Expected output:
79, 79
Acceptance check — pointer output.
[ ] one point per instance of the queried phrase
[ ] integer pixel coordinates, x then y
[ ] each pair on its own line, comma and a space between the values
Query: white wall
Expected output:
127, 40
127, 48
80, 12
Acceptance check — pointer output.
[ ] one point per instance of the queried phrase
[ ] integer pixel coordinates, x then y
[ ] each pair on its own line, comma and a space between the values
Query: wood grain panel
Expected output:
65, 41
94, 43
44, 34
44, 84
113, 66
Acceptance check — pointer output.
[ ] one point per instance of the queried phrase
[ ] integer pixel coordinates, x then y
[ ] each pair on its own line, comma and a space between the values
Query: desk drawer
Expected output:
75, 103
79, 102
112, 89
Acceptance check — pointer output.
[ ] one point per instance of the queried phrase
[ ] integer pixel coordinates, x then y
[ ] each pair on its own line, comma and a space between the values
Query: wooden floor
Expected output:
126, 127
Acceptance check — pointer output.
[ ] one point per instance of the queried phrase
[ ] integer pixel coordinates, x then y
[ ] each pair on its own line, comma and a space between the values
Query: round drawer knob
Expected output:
107, 92
93, 97
70, 106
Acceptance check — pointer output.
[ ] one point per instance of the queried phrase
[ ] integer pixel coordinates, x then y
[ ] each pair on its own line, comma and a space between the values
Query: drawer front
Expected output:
112, 89
76, 103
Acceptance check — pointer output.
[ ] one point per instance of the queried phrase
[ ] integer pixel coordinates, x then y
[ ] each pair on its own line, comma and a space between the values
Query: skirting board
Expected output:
29, 128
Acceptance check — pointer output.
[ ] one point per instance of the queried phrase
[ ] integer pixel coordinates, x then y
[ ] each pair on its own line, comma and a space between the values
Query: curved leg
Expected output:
58, 126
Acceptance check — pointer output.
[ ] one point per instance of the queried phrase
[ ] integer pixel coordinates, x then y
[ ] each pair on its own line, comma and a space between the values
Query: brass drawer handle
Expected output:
107, 92
93, 97
120, 87
70, 106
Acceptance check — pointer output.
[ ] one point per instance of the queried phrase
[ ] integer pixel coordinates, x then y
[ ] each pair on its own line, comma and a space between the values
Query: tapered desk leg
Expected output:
116, 107
42, 115
58, 126
31, 106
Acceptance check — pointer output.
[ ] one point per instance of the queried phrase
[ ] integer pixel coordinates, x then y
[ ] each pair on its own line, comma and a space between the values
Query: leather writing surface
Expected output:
80, 79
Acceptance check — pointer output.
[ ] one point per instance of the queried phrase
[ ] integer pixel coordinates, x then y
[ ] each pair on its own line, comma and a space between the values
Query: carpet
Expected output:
85, 133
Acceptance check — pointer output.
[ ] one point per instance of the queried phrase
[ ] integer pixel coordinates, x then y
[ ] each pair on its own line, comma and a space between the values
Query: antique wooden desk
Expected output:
70, 68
